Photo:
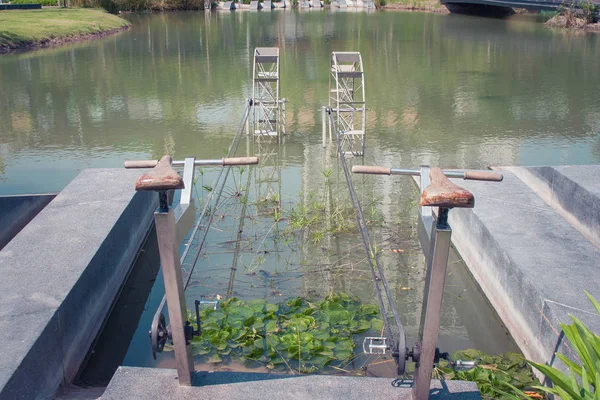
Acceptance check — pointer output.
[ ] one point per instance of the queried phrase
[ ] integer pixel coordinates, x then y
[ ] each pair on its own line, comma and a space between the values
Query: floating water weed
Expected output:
507, 376
294, 335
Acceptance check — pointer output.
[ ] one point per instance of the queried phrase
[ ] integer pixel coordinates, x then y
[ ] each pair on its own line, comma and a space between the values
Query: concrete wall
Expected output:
60, 275
17, 211
531, 264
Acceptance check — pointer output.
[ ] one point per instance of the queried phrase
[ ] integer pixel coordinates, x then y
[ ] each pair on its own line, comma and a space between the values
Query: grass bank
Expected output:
417, 5
33, 28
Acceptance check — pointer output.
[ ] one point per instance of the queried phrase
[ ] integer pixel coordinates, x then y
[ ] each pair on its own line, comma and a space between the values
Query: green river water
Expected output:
448, 90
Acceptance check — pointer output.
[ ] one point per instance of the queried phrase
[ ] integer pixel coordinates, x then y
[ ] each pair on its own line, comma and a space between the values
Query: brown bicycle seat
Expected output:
441, 192
162, 177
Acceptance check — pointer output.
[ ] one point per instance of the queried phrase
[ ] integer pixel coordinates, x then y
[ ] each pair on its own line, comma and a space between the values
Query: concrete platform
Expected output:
531, 263
60, 275
146, 383
571, 190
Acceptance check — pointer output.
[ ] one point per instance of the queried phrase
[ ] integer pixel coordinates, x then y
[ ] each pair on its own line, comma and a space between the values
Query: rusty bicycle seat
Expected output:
161, 177
441, 192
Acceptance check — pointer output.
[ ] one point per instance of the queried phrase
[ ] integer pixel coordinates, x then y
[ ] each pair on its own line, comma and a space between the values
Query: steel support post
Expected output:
432, 304
169, 257
330, 126
425, 216
324, 126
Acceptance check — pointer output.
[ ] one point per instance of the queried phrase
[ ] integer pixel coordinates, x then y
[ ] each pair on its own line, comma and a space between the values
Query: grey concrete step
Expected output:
572, 190
147, 383
532, 265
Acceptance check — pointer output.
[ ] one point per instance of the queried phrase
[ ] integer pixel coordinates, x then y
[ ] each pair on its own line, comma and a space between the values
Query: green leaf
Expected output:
593, 301
376, 324
272, 307
343, 355
558, 378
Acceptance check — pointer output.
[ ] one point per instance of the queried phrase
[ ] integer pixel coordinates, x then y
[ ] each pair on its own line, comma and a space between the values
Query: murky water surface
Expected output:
448, 90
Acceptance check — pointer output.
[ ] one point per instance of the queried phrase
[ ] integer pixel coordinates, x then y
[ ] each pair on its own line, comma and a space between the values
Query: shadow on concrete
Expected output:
445, 393
439, 390
205, 378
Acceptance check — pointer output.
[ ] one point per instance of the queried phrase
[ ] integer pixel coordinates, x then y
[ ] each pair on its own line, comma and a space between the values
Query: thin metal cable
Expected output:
369, 248
230, 152
236, 252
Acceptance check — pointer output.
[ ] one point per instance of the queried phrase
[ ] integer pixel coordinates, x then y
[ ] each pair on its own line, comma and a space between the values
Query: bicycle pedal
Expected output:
375, 345
214, 303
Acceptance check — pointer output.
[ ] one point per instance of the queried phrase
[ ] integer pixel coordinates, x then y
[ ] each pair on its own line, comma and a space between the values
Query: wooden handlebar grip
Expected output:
370, 169
240, 161
483, 176
140, 163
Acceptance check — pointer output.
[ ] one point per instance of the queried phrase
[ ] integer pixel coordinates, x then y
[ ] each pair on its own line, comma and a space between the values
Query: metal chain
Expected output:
369, 248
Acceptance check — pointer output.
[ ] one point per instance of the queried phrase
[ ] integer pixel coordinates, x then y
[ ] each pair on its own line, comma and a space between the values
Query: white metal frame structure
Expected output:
267, 175
268, 108
347, 100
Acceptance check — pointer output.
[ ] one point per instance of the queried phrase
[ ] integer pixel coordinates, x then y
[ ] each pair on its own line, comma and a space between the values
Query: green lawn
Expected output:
19, 28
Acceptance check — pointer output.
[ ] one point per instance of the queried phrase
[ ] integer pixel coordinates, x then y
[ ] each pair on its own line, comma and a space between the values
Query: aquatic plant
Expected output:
583, 381
295, 334
507, 376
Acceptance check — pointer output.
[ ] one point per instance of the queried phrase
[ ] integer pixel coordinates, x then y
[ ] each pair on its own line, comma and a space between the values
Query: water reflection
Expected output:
441, 86
448, 90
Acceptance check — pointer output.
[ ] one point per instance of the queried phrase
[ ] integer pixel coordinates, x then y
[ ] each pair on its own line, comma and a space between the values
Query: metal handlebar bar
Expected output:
467, 174
222, 161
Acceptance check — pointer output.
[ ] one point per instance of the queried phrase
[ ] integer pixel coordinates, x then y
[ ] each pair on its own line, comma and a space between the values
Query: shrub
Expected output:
42, 2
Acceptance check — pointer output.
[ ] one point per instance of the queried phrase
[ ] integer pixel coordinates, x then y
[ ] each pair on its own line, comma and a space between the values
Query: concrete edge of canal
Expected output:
61, 274
143, 383
530, 245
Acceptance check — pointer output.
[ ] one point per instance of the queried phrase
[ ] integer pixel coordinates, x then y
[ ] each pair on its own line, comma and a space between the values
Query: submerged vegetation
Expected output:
324, 215
294, 335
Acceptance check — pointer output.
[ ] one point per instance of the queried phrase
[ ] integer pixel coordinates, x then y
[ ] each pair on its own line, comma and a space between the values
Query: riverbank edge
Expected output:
559, 22
429, 7
59, 41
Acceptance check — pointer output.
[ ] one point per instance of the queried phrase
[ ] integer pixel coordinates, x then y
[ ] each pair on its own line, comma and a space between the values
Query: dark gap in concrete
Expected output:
17, 211
110, 348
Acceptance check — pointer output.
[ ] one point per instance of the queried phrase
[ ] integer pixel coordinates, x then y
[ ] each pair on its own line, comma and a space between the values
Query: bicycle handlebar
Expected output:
483, 176
223, 161
140, 163
490, 176
371, 170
